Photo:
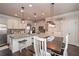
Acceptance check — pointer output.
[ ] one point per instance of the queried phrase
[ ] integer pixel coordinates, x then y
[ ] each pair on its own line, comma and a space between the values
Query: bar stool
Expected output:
22, 44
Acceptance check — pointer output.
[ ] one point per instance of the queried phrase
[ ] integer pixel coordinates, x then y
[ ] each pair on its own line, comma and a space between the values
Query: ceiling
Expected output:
47, 8
38, 8
61, 8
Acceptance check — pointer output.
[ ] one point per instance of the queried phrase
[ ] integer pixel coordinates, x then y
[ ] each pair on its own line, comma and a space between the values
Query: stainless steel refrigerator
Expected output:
3, 34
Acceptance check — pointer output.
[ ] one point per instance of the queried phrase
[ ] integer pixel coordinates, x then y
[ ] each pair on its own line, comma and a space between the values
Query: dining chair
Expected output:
66, 45
40, 47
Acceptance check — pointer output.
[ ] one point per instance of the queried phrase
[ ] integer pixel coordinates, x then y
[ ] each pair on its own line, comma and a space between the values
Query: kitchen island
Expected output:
14, 40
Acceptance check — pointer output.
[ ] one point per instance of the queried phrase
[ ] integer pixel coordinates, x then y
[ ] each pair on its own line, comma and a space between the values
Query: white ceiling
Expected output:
38, 8
61, 8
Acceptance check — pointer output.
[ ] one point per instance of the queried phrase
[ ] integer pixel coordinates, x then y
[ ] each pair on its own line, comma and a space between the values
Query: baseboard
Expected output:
75, 44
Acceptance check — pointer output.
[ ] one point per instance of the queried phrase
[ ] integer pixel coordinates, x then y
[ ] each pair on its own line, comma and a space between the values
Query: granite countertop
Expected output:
17, 36
14, 36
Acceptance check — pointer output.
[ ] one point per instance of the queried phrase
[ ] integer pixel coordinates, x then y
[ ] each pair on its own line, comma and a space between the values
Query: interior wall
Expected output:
69, 24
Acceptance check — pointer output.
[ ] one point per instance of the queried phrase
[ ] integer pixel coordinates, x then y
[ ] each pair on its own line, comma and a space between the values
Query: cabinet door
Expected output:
15, 45
10, 24
15, 23
29, 41
21, 25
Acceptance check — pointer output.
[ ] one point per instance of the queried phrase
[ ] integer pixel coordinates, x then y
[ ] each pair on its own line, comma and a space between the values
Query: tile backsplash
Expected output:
16, 31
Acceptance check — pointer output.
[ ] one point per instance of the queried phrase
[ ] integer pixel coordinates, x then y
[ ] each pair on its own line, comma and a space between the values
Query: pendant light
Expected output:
51, 23
22, 11
35, 19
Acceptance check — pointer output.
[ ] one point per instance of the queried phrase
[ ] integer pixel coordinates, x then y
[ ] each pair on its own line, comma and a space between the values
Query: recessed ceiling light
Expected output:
15, 14
43, 13
30, 5
28, 18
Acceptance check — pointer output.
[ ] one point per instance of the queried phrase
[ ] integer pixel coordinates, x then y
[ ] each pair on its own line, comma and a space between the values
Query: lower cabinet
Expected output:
15, 45
29, 41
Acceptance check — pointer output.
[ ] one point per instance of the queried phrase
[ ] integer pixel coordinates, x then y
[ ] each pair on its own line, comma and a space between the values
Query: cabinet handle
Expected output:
32, 38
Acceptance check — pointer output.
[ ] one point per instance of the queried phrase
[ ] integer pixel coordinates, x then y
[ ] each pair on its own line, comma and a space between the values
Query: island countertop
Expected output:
14, 36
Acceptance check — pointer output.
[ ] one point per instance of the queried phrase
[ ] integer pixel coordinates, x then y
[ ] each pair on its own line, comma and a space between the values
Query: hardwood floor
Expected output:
25, 52
72, 51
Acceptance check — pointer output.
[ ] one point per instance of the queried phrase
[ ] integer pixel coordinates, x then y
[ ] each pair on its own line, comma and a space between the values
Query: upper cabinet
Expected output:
21, 25
10, 24
15, 24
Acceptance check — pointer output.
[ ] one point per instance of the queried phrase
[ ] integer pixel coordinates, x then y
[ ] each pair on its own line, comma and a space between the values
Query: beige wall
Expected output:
69, 23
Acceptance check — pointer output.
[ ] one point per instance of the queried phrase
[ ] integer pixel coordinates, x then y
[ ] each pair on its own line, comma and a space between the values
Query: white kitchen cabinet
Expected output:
21, 25
29, 41
10, 24
16, 24
15, 43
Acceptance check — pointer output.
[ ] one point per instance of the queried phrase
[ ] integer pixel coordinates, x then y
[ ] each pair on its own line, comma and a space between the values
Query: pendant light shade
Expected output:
22, 21
22, 11
51, 23
35, 15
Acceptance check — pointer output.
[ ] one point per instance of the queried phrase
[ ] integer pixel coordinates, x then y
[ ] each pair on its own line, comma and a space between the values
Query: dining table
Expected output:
54, 45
